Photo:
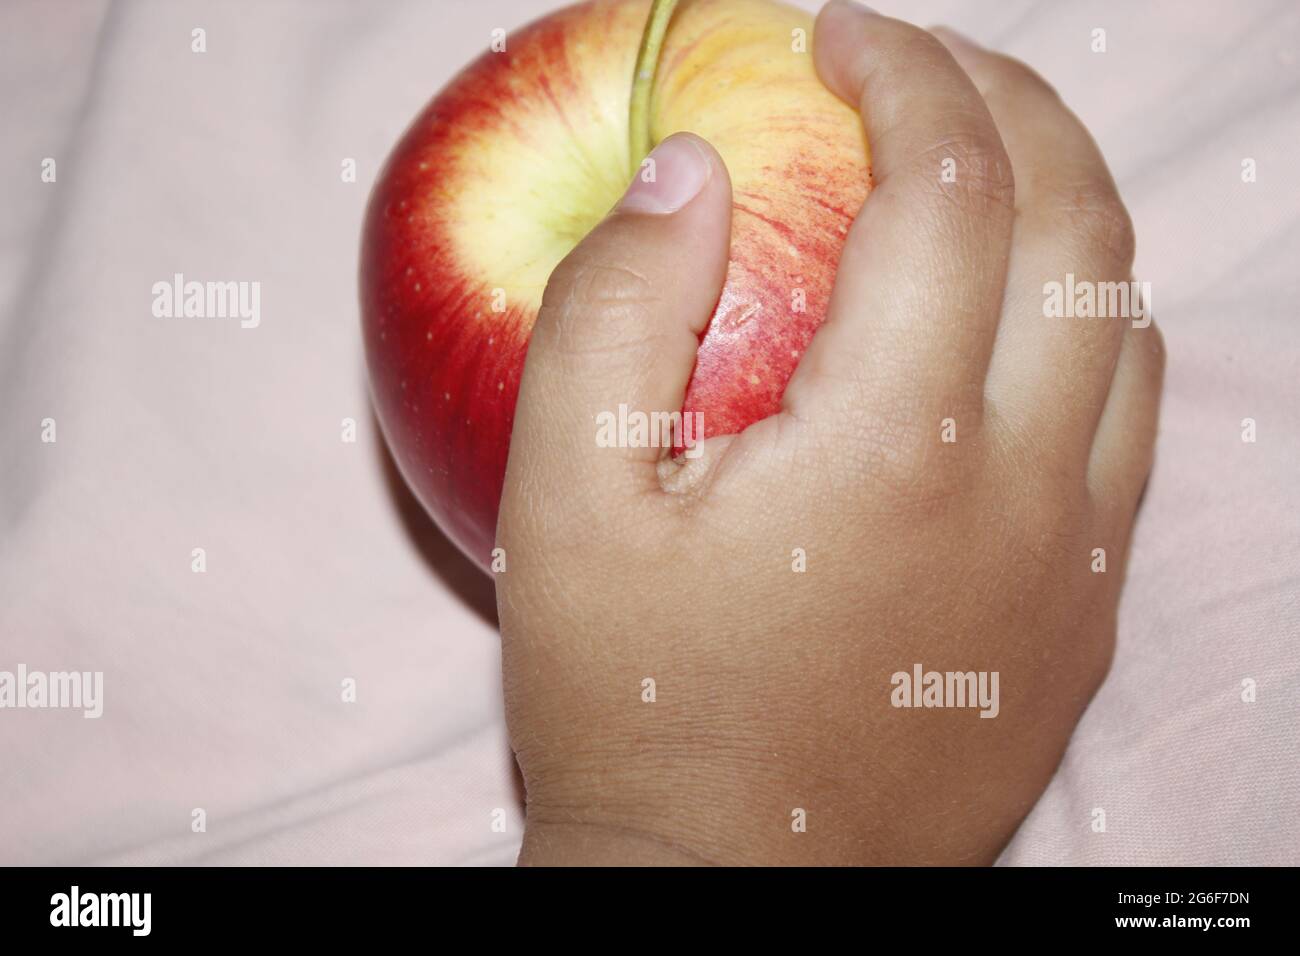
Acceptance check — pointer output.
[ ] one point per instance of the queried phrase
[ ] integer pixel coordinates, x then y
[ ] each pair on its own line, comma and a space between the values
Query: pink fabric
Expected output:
222, 689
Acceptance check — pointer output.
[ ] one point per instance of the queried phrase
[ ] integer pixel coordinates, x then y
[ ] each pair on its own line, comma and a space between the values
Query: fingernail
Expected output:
669, 178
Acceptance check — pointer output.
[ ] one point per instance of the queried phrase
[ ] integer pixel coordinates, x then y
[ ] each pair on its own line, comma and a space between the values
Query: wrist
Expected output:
591, 844
678, 818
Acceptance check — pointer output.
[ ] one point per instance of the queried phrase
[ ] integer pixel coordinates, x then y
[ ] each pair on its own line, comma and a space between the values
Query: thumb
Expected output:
619, 325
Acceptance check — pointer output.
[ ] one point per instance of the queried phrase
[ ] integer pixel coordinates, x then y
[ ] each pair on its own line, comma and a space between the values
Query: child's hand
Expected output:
772, 687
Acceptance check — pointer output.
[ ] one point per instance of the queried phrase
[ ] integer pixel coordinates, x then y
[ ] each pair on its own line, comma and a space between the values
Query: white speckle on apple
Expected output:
417, 287
403, 384
410, 270
794, 353
501, 386
446, 396
491, 339
423, 167
754, 380
428, 336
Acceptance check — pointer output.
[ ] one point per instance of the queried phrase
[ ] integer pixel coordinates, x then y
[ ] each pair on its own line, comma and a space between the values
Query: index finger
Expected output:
919, 290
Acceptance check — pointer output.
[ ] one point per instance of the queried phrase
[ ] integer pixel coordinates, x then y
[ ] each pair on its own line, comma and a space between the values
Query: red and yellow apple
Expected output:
528, 149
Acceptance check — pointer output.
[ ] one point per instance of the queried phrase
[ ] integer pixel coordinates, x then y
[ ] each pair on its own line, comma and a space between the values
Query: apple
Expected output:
525, 151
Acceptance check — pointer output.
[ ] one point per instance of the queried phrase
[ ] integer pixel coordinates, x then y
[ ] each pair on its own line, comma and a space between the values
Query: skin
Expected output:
523, 154
773, 687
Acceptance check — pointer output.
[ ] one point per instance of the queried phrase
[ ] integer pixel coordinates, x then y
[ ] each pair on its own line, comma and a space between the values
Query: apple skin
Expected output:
522, 154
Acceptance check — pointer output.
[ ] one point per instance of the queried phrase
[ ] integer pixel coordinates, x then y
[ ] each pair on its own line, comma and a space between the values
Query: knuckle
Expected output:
982, 181
904, 463
1039, 484
917, 46
1011, 80
893, 64
1100, 221
901, 459
1053, 533
1051, 483
592, 279
593, 306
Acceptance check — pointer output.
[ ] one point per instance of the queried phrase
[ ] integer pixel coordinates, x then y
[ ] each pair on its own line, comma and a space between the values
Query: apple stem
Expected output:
643, 81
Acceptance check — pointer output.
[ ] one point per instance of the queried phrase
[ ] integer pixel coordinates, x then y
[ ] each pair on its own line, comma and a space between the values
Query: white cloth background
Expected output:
222, 690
